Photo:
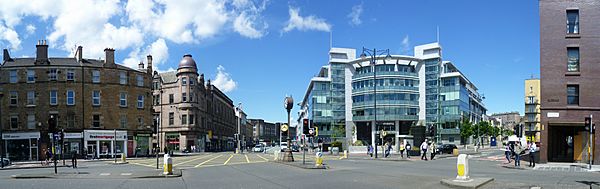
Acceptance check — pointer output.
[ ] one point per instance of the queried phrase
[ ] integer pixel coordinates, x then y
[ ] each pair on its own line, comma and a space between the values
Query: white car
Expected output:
258, 148
283, 146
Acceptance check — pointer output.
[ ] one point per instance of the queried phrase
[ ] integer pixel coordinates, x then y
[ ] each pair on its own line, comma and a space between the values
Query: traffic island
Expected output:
471, 183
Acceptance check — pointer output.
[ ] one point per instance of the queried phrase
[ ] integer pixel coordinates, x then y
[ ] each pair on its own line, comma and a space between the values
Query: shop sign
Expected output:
17, 136
105, 135
143, 135
70, 135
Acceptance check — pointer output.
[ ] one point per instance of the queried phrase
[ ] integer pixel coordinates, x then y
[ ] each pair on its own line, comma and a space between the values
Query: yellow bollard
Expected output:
455, 152
168, 165
319, 159
123, 157
345, 154
462, 167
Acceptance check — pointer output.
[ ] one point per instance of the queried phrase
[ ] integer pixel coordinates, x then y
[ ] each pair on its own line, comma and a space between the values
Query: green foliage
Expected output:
337, 144
358, 143
466, 128
338, 131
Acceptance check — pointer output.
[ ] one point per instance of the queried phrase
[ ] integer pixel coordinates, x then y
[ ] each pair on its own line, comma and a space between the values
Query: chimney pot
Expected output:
109, 56
41, 52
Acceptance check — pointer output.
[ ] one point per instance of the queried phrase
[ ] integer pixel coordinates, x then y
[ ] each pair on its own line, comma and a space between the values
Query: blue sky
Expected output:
259, 51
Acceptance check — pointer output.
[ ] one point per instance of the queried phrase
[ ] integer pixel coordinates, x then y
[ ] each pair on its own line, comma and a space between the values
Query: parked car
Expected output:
283, 146
446, 148
5, 162
258, 148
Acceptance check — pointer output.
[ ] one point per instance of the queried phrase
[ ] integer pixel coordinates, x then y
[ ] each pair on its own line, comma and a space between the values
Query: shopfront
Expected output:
172, 140
105, 143
142, 143
72, 142
21, 145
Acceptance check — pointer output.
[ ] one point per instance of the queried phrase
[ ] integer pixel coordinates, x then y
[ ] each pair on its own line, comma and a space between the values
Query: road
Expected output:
227, 170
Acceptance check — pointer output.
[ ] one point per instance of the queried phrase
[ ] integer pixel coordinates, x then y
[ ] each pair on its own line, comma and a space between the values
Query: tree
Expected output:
482, 129
466, 129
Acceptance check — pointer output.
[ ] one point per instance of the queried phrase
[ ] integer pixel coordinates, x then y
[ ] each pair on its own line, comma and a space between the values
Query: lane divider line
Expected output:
192, 160
208, 161
231, 156
262, 157
248, 160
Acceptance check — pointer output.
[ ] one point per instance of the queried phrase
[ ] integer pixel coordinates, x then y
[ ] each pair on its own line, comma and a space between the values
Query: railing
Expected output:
384, 73
386, 102
386, 117
386, 88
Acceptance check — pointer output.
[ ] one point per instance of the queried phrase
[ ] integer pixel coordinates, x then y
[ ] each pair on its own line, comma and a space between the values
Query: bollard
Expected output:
168, 165
455, 152
345, 154
123, 157
318, 159
462, 166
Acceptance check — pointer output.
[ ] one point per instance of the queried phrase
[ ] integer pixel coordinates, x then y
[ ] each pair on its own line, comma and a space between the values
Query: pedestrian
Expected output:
507, 152
532, 151
389, 149
519, 150
48, 156
424, 147
408, 149
370, 150
74, 158
402, 149
433, 150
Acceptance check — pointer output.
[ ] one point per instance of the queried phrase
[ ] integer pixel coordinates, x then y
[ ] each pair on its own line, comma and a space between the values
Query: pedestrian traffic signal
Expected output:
588, 123
305, 126
52, 124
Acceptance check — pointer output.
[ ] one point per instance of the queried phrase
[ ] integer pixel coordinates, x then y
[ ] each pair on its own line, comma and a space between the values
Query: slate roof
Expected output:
29, 62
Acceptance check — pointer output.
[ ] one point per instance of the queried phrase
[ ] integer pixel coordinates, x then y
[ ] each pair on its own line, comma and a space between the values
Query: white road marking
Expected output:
104, 174
126, 174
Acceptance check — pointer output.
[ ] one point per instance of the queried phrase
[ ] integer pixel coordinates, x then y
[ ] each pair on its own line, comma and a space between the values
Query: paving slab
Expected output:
474, 183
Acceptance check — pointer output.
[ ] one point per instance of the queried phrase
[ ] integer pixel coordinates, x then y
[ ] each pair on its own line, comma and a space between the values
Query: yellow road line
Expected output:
208, 160
236, 163
231, 156
192, 160
248, 160
262, 157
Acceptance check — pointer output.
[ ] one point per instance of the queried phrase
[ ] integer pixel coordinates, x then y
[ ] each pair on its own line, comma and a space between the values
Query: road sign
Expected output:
311, 131
284, 128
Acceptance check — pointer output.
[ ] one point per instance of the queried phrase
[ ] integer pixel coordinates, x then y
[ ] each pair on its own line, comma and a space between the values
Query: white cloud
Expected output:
223, 80
305, 23
158, 49
355, 15
11, 36
248, 22
405, 45
30, 29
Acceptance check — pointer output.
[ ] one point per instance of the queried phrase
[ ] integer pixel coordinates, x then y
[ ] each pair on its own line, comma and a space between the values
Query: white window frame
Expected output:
95, 76
30, 98
140, 80
123, 122
31, 121
184, 81
122, 78
30, 76
123, 99
14, 77
13, 95
72, 97
55, 92
70, 73
52, 74
96, 98
140, 102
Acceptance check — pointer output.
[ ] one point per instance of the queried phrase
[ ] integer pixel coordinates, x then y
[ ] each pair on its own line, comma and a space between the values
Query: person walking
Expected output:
389, 149
74, 159
370, 150
408, 149
519, 150
48, 156
402, 149
433, 150
507, 152
424, 147
532, 151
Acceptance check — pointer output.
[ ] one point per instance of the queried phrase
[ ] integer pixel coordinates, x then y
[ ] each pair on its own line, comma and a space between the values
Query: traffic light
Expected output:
52, 124
431, 130
155, 126
588, 123
305, 126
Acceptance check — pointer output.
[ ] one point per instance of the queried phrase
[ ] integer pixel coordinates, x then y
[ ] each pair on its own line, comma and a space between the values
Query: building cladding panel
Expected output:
555, 74
73, 83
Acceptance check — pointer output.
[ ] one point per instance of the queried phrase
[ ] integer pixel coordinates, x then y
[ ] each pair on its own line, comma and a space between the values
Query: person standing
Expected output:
401, 149
433, 150
370, 150
532, 151
408, 149
518, 152
74, 158
424, 147
507, 152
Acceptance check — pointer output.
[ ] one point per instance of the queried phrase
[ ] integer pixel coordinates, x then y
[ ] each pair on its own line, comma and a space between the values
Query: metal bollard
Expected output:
168, 165
123, 157
318, 159
462, 166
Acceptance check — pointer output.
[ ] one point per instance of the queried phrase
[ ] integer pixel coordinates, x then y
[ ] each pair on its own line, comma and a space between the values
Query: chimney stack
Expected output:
141, 65
149, 57
109, 59
6, 56
79, 54
41, 52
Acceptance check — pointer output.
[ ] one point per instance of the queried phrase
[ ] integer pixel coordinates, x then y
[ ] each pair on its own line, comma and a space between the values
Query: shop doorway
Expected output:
92, 151
562, 143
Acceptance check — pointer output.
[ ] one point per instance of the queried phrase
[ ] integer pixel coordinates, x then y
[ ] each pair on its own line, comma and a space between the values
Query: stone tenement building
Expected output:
94, 101
192, 114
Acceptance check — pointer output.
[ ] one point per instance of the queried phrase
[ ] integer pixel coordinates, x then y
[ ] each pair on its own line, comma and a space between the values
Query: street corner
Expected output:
158, 174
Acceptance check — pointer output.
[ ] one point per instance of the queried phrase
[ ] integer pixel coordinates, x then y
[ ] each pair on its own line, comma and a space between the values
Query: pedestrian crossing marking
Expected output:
208, 161
183, 162
231, 156
248, 160
262, 157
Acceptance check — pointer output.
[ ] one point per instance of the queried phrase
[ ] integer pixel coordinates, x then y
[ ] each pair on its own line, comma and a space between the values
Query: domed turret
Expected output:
187, 62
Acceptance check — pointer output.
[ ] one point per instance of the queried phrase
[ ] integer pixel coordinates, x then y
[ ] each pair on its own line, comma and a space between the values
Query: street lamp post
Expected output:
159, 122
373, 61
288, 105
239, 116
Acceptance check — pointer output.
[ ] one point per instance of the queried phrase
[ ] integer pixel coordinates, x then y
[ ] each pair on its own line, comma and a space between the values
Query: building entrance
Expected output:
565, 143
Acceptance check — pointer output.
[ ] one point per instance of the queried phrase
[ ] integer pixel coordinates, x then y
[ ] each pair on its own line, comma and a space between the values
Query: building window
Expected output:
70, 97
573, 94
14, 98
171, 118
122, 78
191, 97
531, 99
96, 98
140, 121
156, 99
140, 101
30, 97
53, 97
14, 122
30, 76
171, 98
573, 21
192, 81
52, 74
70, 121
573, 59
70, 75
31, 121
450, 139
123, 99
13, 76
184, 97
96, 76
140, 80
123, 121
184, 81
96, 121
184, 119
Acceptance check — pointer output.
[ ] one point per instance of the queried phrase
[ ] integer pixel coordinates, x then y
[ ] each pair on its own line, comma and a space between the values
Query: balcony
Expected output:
382, 73
385, 88
386, 102
449, 131
528, 101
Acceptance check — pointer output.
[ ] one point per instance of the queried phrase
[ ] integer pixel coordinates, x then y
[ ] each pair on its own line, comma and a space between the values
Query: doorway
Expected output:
561, 143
